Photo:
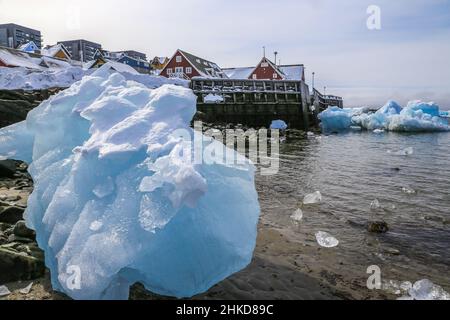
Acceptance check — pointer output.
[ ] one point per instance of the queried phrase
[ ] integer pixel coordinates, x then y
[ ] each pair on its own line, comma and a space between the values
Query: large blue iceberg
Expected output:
417, 116
118, 199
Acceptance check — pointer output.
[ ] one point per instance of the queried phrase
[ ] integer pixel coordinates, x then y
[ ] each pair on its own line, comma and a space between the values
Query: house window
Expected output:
179, 70
169, 70
255, 77
264, 65
275, 75
188, 70
178, 59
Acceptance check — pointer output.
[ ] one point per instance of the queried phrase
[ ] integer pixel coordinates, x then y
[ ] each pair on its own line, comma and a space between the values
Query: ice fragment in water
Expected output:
378, 131
4, 291
324, 239
408, 190
297, 216
313, 198
427, 290
375, 205
405, 152
278, 125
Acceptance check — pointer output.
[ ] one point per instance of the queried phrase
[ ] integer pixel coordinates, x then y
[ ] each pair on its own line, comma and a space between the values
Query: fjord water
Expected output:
351, 170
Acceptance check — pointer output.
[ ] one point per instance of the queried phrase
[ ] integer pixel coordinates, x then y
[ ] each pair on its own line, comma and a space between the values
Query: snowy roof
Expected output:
120, 67
51, 51
28, 47
206, 68
293, 72
16, 58
162, 60
289, 72
238, 73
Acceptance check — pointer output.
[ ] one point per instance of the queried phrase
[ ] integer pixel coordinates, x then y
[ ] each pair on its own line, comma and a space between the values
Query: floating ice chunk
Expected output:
416, 117
4, 291
278, 125
297, 216
375, 205
405, 298
310, 134
313, 198
378, 131
335, 119
405, 152
427, 290
27, 289
326, 240
116, 197
408, 190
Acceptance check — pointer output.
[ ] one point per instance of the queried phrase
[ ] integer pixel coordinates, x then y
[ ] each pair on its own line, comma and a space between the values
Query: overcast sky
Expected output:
409, 58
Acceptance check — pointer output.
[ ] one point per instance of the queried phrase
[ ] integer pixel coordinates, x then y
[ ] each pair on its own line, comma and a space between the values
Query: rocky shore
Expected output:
15, 104
20, 257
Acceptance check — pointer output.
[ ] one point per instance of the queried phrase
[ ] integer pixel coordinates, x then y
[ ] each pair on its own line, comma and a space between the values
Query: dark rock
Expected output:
4, 226
21, 230
11, 214
14, 238
378, 227
7, 168
16, 266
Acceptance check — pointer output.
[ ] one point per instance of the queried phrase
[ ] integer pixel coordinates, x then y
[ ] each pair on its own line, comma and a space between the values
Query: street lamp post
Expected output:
324, 91
313, 74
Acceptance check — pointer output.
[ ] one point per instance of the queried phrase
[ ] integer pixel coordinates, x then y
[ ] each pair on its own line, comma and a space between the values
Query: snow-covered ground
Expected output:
32, 79
116, 199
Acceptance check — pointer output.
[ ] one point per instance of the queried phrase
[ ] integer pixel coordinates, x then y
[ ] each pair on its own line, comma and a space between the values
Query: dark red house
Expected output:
187, 66
266, 70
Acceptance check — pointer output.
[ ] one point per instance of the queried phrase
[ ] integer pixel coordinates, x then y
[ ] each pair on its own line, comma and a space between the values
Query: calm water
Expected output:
351, 170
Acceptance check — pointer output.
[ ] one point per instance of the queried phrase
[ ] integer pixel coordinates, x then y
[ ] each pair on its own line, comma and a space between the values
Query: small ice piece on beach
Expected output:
4, 291
278, 125
27, 289
326, 240
378, 131
375, 205
408, 190
310, 134
427, 290
297, 216
313, 198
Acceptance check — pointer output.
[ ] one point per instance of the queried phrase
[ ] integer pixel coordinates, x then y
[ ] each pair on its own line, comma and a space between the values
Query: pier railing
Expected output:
322, 102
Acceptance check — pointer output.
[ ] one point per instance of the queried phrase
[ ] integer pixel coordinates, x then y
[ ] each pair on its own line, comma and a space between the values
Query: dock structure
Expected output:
254, 103
322, 102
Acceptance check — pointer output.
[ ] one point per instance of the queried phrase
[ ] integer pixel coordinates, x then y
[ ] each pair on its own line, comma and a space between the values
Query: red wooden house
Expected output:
187, 66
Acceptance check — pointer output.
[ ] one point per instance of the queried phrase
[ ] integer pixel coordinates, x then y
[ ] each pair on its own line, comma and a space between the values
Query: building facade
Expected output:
187, 66
13, 36
134, 59
81, 50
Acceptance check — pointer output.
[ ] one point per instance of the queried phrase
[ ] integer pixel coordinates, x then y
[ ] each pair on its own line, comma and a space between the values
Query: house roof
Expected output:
51, 51
16, 58
27, 47
203, 66
289, 72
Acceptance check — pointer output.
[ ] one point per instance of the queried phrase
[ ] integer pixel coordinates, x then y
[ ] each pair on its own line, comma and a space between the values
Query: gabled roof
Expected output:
290, 72
206, 68
28, 47
51, 51
271, 64
16, 58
